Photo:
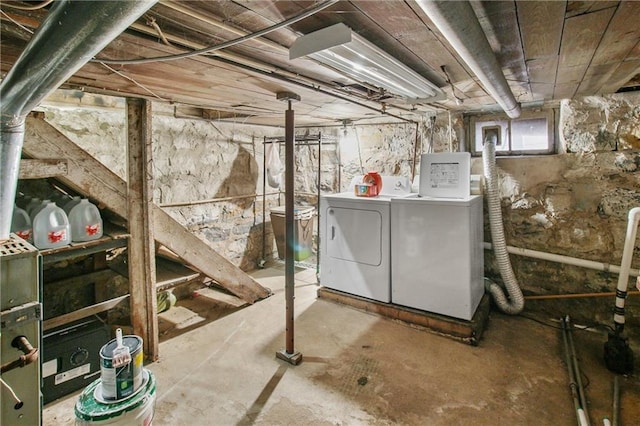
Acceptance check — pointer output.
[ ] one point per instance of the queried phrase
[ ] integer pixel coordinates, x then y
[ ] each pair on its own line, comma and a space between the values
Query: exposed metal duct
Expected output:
72, 33
457, 21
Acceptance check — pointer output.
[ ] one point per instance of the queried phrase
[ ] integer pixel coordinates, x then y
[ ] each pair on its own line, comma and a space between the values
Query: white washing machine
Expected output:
355, 240
437, 262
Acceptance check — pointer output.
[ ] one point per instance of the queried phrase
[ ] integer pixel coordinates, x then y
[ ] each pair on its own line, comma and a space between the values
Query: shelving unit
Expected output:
99, 274
318, 140
169, 274
148, 226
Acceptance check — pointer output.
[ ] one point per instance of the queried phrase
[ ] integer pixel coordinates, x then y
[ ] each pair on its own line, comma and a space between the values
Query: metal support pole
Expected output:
289, 353
289, 233
263, 261
318, 207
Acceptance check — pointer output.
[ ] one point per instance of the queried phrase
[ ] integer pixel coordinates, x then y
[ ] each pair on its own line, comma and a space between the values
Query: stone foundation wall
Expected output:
573, 204
209, 176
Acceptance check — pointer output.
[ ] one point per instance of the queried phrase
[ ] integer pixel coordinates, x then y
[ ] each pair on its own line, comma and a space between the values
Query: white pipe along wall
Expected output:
625, 265
567, 260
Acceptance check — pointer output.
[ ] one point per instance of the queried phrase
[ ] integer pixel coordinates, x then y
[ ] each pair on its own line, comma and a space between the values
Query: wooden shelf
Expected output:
83, 313
116, 238
169, 274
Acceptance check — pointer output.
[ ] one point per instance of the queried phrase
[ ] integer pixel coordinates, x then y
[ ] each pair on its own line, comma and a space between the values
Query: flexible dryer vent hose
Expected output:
515, 303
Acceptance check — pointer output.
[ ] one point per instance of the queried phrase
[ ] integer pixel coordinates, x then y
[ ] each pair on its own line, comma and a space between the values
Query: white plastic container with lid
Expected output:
70, 204
51, 228
21, 223
85, 220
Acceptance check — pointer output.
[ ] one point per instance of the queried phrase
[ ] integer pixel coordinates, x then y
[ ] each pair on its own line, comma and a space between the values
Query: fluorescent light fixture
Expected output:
339, 48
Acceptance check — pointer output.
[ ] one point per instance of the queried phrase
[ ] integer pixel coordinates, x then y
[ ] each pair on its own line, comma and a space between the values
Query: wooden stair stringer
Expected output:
89, 177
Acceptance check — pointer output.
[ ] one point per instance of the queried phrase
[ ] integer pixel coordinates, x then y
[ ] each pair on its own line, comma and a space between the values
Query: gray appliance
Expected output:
21, 317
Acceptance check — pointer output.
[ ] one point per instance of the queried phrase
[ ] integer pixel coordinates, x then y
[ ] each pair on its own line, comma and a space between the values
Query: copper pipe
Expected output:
30, 355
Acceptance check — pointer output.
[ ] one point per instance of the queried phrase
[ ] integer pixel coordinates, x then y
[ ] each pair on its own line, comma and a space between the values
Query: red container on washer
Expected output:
374, 179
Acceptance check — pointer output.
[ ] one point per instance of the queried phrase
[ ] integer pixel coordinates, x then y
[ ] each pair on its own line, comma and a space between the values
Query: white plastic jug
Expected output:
21, 223
35, 210
85, 220
22, 201
60, 198
32, 204
70, 204
51, 228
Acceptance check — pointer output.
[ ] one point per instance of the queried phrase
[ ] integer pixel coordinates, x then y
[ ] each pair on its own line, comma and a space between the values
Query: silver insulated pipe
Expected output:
459, 24
72, 33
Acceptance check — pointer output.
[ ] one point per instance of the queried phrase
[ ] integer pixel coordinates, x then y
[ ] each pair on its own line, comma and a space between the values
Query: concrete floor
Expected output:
361, 369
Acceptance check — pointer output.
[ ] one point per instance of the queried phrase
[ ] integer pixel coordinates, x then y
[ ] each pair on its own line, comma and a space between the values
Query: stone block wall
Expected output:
574, 203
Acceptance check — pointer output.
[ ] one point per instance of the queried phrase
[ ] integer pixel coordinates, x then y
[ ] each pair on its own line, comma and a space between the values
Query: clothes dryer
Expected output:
355, 240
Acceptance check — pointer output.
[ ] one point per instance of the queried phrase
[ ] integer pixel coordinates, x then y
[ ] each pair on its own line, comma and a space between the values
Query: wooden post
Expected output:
142, 267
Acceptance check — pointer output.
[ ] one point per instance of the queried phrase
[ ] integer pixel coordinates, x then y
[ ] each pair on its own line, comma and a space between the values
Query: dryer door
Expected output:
354, 235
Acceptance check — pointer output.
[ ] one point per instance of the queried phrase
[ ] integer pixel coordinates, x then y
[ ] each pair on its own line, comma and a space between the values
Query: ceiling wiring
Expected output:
151, 21
459, 100
224, 45
34, 7
143, 87
30, 31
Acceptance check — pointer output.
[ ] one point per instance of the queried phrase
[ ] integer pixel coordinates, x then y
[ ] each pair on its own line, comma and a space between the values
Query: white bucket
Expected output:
51, 228
21, 223
85, 220
135, 411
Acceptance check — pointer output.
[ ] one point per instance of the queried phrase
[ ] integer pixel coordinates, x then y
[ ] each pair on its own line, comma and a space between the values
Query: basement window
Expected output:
532, 133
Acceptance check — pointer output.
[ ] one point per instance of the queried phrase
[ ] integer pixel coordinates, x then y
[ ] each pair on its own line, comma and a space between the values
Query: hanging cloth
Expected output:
274, 165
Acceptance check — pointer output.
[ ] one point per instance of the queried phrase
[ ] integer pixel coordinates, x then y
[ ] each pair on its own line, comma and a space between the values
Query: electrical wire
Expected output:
34, 7
30, 31
133, 81
459, 101
224, 45
152, 22
450, 133
355, 130
432, 121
